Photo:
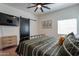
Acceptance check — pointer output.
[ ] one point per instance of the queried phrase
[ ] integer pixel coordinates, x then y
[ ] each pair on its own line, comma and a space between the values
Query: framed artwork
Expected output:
47, 24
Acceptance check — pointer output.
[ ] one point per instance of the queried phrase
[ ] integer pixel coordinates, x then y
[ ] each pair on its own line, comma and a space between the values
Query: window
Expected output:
67, 26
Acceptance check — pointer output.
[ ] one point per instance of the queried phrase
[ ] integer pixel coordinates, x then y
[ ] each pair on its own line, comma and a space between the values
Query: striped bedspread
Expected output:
45, 46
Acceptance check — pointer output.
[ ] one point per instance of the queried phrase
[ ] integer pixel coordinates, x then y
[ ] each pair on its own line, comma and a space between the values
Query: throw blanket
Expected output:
45, 46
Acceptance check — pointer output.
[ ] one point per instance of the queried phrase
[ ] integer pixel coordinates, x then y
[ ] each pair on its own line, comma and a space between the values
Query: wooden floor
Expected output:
8, 52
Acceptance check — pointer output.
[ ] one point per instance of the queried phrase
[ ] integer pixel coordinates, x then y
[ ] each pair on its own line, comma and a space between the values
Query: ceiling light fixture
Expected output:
39, 6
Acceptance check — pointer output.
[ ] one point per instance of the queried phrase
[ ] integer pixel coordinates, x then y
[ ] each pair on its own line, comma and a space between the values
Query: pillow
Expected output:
71, 36
61, 40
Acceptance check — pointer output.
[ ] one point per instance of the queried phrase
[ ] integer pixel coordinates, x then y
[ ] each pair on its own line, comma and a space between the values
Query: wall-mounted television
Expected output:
8, 20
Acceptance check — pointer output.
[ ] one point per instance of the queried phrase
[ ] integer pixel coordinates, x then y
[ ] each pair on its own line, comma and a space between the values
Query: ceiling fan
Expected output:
40, 6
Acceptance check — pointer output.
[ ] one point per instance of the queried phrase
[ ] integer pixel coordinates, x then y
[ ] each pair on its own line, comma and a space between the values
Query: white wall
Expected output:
33, 28
10, 30
67, 13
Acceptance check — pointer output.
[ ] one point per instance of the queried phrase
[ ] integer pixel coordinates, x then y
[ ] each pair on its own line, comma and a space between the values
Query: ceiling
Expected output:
54, 7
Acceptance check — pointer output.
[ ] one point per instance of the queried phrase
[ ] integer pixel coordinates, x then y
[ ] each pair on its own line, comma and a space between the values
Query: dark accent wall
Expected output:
24, 29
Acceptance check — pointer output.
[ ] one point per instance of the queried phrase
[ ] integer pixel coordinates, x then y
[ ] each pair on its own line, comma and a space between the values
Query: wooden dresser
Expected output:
8, 45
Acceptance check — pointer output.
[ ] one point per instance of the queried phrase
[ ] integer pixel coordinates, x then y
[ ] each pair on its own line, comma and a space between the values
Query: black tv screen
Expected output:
8, 20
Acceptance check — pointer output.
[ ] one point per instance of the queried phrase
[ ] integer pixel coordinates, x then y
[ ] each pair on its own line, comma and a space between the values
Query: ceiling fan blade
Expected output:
35, 9
46, 3
46, 7
31, 7
41, 9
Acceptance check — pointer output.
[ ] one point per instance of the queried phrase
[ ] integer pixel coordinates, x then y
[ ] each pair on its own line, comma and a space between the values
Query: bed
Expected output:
48, 46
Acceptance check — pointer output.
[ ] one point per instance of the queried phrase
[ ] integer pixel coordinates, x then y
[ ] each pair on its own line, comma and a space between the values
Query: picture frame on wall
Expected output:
47, 24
